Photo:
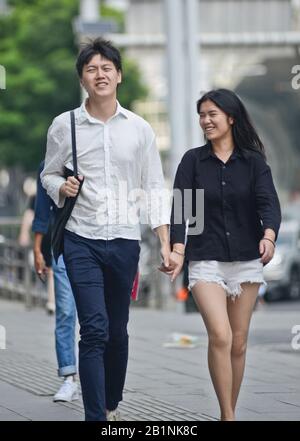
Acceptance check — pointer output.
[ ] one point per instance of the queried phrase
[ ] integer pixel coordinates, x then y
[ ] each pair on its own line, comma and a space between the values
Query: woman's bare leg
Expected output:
211, 301
239, 313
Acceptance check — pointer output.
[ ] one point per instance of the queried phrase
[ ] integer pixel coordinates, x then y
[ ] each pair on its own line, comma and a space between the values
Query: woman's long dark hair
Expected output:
244, 134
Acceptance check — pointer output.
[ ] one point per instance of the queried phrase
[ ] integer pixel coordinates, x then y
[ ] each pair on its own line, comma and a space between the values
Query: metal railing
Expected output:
18, 280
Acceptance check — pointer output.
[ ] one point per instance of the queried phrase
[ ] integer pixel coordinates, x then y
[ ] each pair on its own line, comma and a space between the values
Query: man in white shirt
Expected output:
118, 158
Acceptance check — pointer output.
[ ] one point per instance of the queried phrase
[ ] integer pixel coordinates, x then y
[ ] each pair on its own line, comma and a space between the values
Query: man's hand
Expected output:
71, 187
163, 233
165, 252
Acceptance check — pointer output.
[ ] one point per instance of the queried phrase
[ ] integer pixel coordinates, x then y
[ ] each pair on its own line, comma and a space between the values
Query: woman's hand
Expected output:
266, 249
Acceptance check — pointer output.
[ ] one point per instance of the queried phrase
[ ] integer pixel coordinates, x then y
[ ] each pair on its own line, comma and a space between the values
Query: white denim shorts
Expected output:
229, 275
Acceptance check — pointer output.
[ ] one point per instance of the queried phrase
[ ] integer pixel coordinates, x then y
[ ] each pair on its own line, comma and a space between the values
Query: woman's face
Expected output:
215, 123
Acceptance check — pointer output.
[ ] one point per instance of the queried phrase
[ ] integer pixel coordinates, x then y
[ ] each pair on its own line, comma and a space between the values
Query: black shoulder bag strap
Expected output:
63, 214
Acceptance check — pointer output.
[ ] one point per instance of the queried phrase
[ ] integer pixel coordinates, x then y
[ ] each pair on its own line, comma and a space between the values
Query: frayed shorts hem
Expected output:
230, 292
229, 275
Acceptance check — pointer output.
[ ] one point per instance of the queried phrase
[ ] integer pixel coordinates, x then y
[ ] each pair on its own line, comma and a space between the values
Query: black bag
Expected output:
62, 214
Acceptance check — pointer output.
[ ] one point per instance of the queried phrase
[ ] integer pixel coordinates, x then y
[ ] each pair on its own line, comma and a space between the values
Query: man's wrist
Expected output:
164, 241
163, 234
62, 190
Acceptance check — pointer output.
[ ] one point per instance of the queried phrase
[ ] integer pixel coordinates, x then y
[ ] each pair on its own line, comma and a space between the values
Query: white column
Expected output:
183, 69
295, 6
176, 81
192, 64
89, 10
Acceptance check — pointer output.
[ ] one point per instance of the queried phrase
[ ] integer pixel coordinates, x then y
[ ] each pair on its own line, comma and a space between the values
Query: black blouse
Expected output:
240, 202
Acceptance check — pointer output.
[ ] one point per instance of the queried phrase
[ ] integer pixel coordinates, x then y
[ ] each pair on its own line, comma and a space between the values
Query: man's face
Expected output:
100, 77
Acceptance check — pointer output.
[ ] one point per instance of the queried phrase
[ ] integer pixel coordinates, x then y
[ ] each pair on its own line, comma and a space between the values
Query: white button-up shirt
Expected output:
121, 167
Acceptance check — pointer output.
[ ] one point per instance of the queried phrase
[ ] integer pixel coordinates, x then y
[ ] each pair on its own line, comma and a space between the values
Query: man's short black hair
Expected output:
95, 47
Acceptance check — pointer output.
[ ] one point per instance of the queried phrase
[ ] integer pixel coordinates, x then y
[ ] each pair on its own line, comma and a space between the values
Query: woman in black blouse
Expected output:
241, 223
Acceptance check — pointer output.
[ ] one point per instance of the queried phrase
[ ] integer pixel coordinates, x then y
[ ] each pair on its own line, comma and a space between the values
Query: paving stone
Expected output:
162, 384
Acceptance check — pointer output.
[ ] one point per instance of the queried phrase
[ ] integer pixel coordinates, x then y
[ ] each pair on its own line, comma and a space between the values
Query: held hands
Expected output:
172, 263
71, 187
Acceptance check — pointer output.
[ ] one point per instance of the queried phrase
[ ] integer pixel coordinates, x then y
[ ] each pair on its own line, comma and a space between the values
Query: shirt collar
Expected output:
206, 152
83, 114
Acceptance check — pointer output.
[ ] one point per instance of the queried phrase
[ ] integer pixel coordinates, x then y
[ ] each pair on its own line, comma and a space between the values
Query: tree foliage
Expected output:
38, 50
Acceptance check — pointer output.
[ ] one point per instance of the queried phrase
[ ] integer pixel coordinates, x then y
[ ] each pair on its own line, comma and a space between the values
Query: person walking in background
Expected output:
241, 222
24, 240
65, 317
116, 150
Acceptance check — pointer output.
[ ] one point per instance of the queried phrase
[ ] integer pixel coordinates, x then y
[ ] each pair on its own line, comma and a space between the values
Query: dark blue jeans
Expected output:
101, 273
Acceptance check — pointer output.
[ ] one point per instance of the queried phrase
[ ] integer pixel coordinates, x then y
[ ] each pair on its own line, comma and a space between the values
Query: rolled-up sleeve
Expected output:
42, 208
52, 175
267, 202
153, 183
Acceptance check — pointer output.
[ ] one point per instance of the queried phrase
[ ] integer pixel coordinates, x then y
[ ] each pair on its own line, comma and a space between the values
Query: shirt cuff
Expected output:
154, 226
40, 227
52, 185
162, 218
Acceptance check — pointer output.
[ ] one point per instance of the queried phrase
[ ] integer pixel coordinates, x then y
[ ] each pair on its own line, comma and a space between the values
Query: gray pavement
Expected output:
163, 383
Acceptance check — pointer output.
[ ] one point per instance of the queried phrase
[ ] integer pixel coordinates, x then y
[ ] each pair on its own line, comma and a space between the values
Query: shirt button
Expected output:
224, 166
227, 233
223, 183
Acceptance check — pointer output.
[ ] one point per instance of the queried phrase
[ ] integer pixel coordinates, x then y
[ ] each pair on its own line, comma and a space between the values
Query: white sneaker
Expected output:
113, 415
68, 391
